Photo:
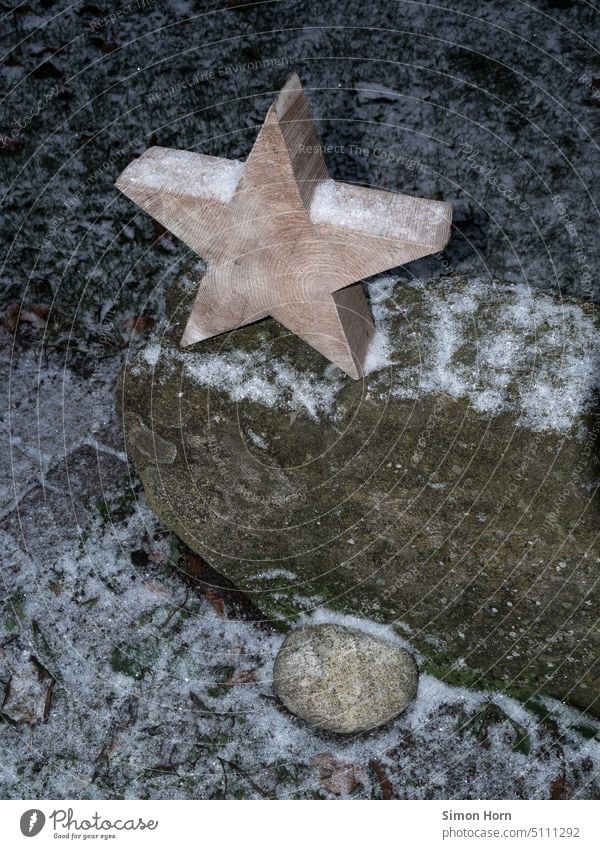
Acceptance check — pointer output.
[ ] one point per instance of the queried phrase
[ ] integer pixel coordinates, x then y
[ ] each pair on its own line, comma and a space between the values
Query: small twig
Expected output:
176, 609
224, 777
245, 775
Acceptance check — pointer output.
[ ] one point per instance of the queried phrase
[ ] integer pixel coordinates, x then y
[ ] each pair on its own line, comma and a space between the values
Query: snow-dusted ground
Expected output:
493, 107
162, 684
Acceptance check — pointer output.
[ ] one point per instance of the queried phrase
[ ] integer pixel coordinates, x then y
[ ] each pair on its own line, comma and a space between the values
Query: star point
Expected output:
280, 237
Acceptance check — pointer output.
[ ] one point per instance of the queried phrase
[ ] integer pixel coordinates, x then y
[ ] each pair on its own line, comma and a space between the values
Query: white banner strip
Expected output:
291, 824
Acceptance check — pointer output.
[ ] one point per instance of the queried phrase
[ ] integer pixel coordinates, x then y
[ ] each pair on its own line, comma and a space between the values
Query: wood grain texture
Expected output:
280, 237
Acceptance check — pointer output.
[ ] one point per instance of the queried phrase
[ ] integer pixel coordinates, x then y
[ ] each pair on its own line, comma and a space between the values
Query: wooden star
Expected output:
280, 237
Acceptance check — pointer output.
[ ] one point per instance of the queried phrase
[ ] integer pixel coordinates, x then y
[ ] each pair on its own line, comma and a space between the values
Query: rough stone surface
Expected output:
451, 492
343, 680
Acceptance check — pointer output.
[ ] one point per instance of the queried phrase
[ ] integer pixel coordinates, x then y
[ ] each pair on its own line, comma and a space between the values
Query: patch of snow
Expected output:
257, 439
381, 290
533, 356
269, 574
254, 377
142, 667
74, 409
378, 353
187, 173
151, 353
325, 616
392, 216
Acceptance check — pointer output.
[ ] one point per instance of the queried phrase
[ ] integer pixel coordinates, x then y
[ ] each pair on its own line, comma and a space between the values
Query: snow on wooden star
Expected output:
281, 238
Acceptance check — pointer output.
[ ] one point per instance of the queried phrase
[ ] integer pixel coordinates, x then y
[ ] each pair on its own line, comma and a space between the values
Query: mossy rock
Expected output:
451, 491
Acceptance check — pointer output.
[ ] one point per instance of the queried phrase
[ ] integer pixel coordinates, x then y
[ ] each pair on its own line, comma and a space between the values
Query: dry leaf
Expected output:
385, 784
8, 144
244, 676
157, 589
36, 315
29, 692
216, 602
40, 310
139, 323
194, 565
157, 556
10, 316
560, 788
339, 777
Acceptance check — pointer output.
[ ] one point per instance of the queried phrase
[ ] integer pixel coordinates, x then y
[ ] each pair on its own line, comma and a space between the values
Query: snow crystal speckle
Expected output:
151, 353
257, 439
186, 172
378, 353
269, 574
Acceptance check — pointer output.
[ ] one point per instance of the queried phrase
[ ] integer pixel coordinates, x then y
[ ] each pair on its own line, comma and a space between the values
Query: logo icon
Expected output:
32, 822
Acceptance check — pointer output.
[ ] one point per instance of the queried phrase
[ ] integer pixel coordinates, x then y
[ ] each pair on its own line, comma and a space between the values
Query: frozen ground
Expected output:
129, 670
494, 107
150, 680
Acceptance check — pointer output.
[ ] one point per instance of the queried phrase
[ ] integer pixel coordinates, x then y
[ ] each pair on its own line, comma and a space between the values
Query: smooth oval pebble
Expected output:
344, 680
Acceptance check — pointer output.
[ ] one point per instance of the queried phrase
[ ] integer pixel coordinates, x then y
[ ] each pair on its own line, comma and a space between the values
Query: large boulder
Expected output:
451, 492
